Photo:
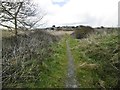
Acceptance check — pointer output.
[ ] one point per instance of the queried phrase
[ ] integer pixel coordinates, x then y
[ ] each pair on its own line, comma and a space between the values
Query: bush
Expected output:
102, 27
83, 31
103, 51
22, 58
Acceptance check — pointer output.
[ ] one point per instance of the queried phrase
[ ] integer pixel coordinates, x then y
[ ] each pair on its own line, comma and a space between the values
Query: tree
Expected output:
53, 26
19, 14
83, 31
102, 27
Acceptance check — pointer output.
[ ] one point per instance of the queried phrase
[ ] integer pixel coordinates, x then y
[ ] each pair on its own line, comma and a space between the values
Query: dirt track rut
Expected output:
71, 81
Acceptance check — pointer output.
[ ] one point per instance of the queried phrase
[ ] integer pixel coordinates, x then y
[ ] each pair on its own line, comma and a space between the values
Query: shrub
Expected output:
21, 59
102, 27
83, 31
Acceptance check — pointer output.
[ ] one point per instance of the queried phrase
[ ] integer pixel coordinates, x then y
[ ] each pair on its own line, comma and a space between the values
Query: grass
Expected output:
7, 33
41, 61
53, 70
95, 59
95, 63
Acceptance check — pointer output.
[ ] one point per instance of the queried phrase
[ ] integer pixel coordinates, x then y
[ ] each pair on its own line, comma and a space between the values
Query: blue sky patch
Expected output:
62, 3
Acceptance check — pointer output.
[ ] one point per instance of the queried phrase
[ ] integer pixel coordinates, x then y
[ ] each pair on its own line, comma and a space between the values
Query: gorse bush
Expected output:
83, 31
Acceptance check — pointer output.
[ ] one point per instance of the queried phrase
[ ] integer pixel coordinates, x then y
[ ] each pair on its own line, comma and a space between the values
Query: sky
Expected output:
79, 12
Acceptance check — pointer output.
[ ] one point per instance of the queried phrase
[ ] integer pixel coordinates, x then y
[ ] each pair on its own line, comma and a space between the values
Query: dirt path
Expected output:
71, 79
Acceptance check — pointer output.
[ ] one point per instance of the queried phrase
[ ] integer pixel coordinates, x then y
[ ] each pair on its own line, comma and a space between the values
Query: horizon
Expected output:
94, 13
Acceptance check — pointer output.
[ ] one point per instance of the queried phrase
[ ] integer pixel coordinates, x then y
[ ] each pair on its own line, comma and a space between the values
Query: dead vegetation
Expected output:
22, 58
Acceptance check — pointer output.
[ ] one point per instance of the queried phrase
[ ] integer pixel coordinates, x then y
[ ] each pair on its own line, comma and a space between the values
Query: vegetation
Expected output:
19, 14
22, 59
39, 59
97, 63
83, 31
54, 68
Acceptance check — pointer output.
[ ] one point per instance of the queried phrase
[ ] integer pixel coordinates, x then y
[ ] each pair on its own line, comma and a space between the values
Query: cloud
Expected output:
58, 1
90, 12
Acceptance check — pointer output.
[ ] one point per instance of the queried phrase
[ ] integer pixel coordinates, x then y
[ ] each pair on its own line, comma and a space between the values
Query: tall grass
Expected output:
22, 58
96, 58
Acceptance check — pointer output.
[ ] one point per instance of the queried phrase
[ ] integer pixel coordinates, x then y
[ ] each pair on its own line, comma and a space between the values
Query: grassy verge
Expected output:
41, 61
53, 69
95, 58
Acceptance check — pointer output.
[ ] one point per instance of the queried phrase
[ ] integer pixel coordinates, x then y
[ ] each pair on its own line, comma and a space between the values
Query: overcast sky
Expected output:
80, 12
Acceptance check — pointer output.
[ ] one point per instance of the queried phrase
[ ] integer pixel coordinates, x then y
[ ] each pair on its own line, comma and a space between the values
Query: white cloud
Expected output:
91, 12
58, 1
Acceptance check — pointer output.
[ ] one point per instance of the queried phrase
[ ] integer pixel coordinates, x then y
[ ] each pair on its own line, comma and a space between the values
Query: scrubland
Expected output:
38, 58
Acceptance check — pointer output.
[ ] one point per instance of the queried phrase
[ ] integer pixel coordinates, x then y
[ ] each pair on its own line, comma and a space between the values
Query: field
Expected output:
60, 33
42, 59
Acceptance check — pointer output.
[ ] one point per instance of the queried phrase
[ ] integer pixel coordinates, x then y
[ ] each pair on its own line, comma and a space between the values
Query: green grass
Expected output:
51, 73
95, 59
54, 72
48, 66
53, 69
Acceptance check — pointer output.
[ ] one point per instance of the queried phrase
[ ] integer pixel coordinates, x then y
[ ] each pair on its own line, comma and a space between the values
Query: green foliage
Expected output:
83, 31
46, 68
96, 60
54, 69
22, 59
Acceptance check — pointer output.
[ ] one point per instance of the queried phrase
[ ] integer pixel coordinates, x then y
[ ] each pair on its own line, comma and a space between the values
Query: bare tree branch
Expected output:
20, 14
6, 26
